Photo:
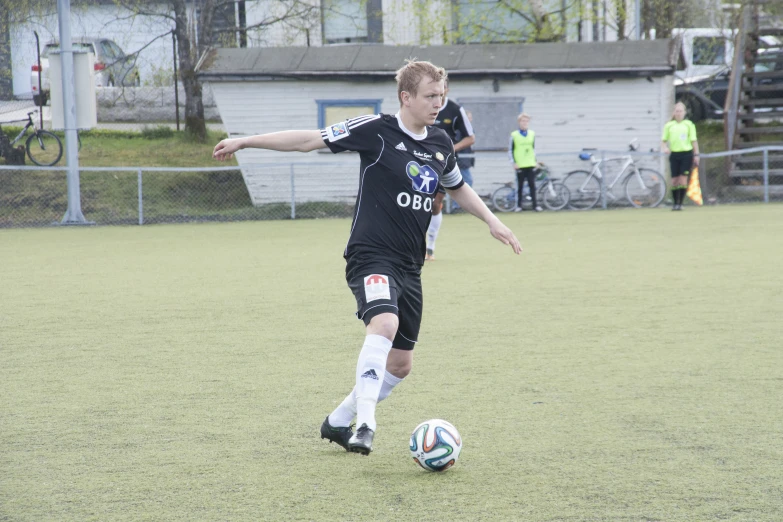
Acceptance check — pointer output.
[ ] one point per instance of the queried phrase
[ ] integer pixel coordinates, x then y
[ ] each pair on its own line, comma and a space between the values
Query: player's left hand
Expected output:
225, 149
696, 161
504, 234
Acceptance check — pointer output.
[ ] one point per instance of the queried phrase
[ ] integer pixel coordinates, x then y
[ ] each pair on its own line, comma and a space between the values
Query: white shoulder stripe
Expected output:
361, 120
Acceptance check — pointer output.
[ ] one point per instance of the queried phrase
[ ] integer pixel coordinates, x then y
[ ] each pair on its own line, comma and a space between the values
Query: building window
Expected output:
489, 21
352, 21
493, 120
334, 111
344, 21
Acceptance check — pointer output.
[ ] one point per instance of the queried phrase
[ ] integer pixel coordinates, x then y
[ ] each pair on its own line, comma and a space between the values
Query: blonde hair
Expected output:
409, 76
523, 115
684, 108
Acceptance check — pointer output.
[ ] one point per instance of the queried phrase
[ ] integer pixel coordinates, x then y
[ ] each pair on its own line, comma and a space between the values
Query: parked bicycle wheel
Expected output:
645, 190
555, 195
585, 190
505, 199
44, 148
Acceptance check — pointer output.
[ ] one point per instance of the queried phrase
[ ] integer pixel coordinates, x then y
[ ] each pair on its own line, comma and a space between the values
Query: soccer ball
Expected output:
435, 445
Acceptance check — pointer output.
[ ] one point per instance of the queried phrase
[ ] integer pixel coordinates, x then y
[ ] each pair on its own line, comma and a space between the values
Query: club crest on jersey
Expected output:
439, 156
337, 131
376, 286
423, 177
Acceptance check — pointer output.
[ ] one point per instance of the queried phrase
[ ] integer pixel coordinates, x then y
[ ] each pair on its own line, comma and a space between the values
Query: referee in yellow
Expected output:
679, 138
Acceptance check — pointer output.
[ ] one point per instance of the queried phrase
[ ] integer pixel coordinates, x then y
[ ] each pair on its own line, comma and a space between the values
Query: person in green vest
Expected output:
679, 138
522, 153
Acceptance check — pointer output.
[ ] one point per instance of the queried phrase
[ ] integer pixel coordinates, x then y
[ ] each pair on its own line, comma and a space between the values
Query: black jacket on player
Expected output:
399, 176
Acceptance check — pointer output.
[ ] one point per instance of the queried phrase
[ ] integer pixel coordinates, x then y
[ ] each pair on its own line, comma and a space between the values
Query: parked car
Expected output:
112, 66
705, 96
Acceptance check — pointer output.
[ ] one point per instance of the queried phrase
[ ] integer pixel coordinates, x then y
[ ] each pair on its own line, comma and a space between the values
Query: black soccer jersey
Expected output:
400, 172
453, 119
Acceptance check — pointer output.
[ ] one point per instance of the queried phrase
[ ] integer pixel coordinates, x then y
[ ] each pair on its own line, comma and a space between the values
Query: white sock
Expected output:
342, 416
370, 373
389, 382
346, 411
432, 232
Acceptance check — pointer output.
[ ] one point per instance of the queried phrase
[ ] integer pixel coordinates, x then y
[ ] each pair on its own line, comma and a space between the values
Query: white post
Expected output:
766, 175
637, 14
73, 216
141, 201
293, 194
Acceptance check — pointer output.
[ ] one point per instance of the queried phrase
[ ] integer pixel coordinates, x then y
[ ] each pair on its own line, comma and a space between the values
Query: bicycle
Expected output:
44, 148
643, 187
554, 194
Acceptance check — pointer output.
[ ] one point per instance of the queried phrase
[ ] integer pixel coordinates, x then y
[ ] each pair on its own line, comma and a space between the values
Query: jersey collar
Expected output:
417, 137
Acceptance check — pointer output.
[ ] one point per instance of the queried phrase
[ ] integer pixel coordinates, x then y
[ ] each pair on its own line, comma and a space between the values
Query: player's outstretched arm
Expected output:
471, 202
284, 141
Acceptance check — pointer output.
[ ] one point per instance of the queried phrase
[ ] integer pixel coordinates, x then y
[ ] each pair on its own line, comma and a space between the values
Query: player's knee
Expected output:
385, 325
399, 369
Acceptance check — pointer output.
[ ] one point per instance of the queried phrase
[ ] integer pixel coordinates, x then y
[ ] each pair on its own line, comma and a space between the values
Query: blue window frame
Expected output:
340, 110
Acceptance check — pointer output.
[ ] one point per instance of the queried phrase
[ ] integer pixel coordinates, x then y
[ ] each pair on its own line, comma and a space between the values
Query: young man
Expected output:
453, 119
522, 153
403, 158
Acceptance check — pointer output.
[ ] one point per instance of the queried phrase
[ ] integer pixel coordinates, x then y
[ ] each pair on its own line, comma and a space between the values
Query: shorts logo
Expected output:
337, 131
423, 177
376, 287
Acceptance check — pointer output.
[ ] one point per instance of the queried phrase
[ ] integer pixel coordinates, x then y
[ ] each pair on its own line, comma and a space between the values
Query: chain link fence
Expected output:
37, 196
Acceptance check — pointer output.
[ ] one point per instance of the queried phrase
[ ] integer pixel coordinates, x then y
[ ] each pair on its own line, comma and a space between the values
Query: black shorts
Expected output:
377, 291
681, 163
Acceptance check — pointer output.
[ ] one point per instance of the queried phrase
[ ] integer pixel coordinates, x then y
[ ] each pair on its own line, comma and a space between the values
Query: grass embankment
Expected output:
34, 198
37, 197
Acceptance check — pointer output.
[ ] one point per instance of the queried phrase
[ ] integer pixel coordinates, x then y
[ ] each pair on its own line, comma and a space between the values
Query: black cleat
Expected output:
361, 442
340, 435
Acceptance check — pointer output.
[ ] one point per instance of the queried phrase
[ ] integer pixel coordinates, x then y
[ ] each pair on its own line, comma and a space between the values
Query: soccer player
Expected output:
403, 157
679, 138
453, 119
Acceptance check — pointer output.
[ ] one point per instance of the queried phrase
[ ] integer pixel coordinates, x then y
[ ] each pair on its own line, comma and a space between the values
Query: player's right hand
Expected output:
504, 234
225, 149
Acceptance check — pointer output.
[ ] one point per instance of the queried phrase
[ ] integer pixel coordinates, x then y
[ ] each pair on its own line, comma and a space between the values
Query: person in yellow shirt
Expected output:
522, 153
679, 139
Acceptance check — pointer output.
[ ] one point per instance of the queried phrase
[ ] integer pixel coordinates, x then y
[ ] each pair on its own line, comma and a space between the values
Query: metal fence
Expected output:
37, 196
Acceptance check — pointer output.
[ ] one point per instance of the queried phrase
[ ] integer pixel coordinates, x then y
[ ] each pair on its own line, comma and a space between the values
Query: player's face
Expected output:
523, 123
425, 106
679, 112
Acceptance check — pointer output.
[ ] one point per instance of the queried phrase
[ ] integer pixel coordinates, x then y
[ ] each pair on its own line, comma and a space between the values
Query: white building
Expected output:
391, 22
594, 95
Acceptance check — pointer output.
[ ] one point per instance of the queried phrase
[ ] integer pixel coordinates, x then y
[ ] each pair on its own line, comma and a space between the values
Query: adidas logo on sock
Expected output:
370, 374
401, 146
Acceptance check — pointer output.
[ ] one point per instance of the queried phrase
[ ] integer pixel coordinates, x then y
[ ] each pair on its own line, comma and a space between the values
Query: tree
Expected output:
12, 14
195, 29
6, 83
511, 20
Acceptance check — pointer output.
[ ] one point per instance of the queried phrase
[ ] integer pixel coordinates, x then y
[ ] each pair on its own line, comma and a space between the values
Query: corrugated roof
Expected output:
648, 56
